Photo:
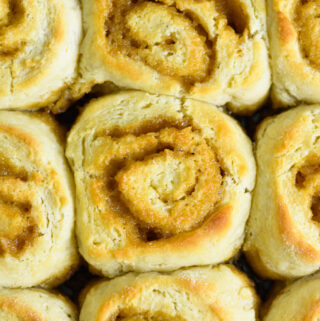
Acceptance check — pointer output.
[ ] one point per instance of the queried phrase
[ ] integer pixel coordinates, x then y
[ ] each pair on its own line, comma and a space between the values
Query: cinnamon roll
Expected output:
35, 305
37, 244
220, 293
39, 46
295, 51
283, 239
161, 183
298, 301
210, 50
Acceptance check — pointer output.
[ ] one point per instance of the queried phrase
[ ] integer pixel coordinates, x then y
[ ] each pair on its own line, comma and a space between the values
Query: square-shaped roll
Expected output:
294, 28
210, 50
206, 294
283, 233
161, 183
37, 241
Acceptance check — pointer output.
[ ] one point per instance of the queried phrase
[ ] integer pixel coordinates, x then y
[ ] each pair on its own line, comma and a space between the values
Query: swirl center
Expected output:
308, 16
173, 190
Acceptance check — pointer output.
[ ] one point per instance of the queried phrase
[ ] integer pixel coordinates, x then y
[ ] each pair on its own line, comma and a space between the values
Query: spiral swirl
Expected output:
185, 48
36, 203
290, 216
39, 43
192, 294
35, 305
153, 181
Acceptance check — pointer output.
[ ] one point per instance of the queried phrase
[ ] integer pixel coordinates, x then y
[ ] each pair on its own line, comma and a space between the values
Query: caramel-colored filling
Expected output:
168, 37
315, 208
163, 183
308, 19
18, 228
306, 179
157, 316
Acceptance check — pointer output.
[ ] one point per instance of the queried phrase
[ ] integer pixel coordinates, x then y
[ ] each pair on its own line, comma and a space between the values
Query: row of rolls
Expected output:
159, 185
217, 51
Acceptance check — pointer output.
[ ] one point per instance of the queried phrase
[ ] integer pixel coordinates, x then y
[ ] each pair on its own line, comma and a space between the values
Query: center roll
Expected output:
161, 183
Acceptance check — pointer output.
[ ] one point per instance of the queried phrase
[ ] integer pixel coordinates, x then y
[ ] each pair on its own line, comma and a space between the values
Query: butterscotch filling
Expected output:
308, 17
18, 228
168, 36
158, 316
162, 183
307, 179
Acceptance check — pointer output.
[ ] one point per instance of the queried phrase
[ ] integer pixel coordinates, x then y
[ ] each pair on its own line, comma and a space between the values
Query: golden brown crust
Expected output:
39, 46
213, 51
161, 183
294, 46
35, 305
185, 295
37, 244
283, 230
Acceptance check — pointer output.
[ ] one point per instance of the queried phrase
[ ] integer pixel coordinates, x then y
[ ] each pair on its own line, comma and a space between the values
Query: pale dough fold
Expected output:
39, 48
283, 234
210, 50
37, 243
35, 305
298, 301
294, 30
161, 183
206, 294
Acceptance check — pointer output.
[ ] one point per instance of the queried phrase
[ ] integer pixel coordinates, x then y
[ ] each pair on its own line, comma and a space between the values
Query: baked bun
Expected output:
283, 239
37, 244
39, 47
161, 183
295, 51
220, 293
298, 301
34, 305
213, 51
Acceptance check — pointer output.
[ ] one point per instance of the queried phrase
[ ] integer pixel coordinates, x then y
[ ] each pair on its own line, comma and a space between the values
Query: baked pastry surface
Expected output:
283, 239
161, 183
39, 47
220, 293
294, 28
34, 305
37, 244
298, 301
210, 50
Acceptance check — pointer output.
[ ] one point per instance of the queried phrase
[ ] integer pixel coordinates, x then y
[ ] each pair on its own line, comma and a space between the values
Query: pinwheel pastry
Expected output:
35, 305
210, 50
206, 294
283, 239
37, 243
39, 47
295, 51
298, 301
161, 183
